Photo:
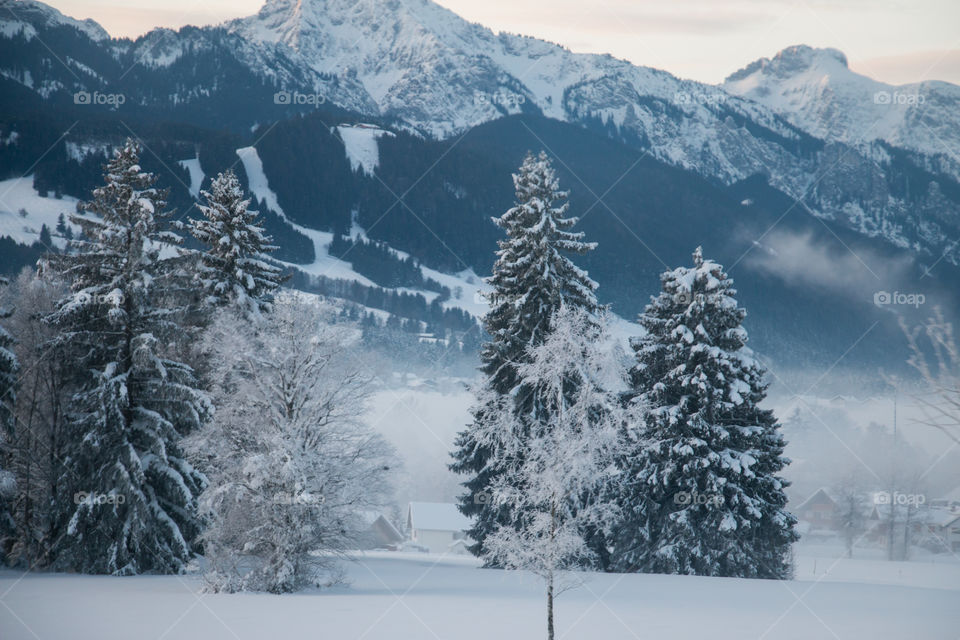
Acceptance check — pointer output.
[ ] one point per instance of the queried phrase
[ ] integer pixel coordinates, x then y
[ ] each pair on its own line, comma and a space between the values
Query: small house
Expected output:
942, 526
819, 511
437, 526
379, 533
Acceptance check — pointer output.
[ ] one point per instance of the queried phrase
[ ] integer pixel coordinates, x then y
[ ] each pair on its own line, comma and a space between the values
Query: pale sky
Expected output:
897, 41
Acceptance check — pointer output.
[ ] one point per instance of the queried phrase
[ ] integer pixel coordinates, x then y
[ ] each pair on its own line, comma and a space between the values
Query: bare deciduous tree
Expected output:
34, 449
556, 481
291, 465
936, 357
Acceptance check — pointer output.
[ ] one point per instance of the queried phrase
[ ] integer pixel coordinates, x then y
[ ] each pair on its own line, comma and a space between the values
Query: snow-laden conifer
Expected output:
234, 268
533, 277
127, 497
703, 494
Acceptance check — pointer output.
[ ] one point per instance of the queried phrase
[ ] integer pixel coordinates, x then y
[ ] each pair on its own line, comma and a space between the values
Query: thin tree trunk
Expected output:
906, 532
553, 533
891, 533
550, 608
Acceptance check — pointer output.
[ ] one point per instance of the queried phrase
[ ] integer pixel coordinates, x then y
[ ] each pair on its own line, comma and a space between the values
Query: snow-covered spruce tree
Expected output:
291, 465
233, 266
8, 381
702, 491
532, 278
127, 500
558, 466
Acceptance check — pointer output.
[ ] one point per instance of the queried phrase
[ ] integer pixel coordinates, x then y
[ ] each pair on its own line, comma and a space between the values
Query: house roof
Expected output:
942, 517
822, 491
953, 496
375, 519
438, 516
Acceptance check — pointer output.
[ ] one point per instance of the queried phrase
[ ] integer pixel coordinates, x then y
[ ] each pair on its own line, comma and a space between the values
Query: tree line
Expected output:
159, 402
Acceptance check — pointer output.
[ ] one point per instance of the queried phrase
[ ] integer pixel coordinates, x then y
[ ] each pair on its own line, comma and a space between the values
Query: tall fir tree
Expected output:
128, 495
702, 492
532, 279
234, 268
9, 369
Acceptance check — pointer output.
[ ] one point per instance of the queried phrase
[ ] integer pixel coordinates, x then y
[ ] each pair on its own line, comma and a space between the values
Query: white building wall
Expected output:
435, 540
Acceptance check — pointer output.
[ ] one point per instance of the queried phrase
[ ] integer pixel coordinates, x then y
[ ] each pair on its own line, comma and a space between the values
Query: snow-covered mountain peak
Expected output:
795, 60
26, 13
311, 14
816, 90
419, 61
349, 27
424, 64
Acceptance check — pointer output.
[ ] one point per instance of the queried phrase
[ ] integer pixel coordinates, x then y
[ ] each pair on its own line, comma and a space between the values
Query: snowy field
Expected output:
18, 194
398, 596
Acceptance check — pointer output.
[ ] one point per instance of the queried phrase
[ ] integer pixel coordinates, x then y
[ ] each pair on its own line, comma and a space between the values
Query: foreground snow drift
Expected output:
404, 596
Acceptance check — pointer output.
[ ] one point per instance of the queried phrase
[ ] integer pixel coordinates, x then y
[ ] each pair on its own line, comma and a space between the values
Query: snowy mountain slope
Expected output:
468, 287
324, 264
426, 66
201, 75
415, 62
423, 68
25, 17
815, 90
275, 65
17, 196
404, 54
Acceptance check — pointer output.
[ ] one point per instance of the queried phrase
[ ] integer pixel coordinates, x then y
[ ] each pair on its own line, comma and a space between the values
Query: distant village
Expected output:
429, 527
897, 523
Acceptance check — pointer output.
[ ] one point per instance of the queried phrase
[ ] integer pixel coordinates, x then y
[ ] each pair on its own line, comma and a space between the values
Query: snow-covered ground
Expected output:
829, 564
18, 194
402, 596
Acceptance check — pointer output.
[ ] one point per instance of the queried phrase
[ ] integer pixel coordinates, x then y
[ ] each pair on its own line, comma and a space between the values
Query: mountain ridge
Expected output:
51, 16
816, 90
181, 87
